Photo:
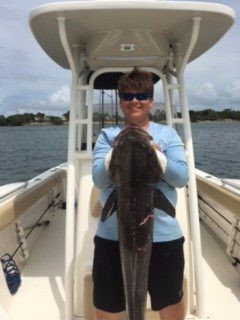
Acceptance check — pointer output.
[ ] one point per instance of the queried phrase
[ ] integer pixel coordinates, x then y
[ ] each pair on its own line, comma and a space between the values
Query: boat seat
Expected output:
95, 206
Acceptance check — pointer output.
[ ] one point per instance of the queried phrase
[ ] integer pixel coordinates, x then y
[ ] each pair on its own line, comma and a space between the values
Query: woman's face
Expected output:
136, 110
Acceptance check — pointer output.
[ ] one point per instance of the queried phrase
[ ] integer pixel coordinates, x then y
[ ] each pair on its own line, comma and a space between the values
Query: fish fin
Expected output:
161, 202
110, 206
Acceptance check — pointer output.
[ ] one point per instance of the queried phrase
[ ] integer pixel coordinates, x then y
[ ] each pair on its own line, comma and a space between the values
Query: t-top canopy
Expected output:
128, 33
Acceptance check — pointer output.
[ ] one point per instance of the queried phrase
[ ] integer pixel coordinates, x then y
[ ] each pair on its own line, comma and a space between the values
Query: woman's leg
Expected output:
108, 295
166, 279
173, 312
103, 315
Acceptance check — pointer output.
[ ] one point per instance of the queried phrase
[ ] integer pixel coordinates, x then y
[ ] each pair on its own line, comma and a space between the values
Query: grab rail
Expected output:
11, 189
12, 208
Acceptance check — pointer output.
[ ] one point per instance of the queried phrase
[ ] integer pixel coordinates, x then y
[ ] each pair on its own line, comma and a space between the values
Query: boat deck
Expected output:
41, 295
222, 281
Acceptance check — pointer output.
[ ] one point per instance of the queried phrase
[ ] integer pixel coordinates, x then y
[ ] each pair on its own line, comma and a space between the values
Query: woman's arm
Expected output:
99, 173
176, 173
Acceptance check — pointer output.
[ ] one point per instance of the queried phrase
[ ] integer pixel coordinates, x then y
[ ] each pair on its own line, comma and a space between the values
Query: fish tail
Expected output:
135, 279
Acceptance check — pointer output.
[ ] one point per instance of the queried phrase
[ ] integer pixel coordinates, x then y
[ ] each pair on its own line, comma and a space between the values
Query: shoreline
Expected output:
33, 124
216, 121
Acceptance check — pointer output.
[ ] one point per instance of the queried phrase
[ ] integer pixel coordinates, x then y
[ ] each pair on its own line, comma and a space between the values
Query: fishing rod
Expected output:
11, 271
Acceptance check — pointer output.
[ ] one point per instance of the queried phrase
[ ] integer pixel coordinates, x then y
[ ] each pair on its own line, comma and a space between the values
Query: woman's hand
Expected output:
162, 160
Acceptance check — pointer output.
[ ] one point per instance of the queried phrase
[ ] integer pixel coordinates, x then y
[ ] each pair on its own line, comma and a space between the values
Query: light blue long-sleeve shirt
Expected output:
165, 227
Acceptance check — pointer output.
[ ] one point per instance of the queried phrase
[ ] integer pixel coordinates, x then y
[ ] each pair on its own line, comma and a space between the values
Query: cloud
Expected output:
1, 97
206, 91
213, 95
233, 91
62, 96
8, 13
16, 54
30, 80
158, 91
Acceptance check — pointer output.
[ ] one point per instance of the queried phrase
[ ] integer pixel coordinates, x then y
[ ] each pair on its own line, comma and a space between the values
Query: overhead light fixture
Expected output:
127, 47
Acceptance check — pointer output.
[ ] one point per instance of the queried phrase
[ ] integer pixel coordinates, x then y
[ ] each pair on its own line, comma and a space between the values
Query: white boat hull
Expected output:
219, 203
42, 295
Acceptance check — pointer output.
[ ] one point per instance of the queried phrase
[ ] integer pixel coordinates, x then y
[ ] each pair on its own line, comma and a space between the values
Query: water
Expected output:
28, 151
217, 148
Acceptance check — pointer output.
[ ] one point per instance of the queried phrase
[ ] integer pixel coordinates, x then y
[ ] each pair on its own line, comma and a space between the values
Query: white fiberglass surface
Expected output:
41, 295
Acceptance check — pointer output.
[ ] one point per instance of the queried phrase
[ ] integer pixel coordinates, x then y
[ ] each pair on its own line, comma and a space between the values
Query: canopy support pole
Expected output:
192, 188
71, 173
194, 226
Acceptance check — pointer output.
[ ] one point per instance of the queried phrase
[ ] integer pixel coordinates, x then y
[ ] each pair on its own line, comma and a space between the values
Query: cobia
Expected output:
134, 169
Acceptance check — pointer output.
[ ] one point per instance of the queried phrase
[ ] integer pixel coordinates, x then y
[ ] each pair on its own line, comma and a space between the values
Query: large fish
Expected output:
134, 169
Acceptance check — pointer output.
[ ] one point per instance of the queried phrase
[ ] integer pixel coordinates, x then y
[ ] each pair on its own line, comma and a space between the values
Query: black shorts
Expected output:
165, 279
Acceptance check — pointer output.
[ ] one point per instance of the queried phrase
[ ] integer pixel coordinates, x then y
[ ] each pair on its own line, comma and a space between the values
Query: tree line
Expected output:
195, 116
31, 118
158, 115
202, 115
212, 115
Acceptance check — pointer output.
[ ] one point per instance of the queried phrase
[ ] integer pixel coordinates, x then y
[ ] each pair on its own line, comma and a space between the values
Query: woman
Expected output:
167, 261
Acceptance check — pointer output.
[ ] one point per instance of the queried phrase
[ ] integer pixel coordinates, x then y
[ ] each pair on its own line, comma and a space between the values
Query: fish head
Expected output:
134, 158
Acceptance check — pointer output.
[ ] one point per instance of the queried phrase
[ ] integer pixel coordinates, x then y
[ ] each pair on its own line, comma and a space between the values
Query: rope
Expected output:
10, 268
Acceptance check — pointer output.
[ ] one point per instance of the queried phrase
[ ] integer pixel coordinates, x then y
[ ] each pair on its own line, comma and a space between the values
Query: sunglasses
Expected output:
127, 96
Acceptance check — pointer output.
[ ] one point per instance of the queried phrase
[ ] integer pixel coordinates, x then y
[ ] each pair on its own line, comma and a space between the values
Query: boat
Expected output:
47, 224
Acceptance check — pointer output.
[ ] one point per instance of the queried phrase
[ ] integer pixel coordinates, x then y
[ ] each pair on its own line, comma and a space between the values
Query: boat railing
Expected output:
11, 189
231, 186
15, 205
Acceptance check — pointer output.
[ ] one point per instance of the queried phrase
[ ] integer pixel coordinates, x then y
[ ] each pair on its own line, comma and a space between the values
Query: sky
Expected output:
31, 82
